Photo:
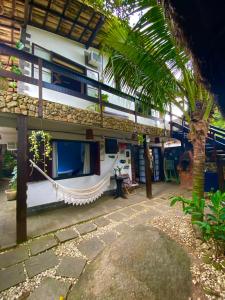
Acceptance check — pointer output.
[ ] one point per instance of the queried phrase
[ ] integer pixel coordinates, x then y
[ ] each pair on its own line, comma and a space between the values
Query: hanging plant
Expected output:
40, 147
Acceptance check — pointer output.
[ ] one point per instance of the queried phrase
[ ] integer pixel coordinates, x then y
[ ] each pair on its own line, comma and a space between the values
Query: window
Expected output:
45, 54
64, 81
92, 91
74, 159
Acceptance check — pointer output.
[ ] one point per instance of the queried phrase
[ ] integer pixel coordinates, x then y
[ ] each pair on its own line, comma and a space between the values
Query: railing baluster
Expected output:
40, 89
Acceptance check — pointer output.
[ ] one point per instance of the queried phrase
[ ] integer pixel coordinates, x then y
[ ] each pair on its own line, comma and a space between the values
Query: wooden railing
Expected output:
53, 67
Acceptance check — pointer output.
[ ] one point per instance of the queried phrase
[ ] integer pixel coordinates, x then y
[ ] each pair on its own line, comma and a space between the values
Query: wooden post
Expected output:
40, 94
171, 121
135, 111
21, 204
148, 171
100, 105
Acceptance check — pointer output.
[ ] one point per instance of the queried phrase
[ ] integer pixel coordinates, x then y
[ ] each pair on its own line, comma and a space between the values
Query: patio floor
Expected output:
48, 266
54, 219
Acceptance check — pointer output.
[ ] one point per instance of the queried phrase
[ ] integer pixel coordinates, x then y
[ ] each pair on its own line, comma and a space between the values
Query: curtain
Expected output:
86, 166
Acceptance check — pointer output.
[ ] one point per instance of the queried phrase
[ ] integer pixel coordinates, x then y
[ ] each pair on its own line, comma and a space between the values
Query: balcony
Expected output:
120, 112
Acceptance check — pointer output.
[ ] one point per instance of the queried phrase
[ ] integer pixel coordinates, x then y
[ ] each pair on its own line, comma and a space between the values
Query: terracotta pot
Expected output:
10, 194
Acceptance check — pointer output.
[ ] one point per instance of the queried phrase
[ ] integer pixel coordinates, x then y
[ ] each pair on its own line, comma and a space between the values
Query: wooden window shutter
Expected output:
95, 158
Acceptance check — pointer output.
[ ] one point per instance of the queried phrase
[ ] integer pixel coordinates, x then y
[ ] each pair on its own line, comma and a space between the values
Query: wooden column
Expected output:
171, 121
21, 205
100, 105
148, 171
40, 94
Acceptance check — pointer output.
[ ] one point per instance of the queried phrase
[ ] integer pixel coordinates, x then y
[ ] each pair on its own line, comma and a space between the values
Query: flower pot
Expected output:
10, 194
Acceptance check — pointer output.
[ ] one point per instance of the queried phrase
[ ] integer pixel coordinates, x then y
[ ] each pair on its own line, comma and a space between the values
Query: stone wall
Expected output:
26, 105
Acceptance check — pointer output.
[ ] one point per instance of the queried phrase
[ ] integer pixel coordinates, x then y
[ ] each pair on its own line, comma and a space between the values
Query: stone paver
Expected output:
42, 244
128, 211
71, 267
40, 263
91, 248
138, 207
11, 276
86, 228
122, 228
101, 222
50, 289
66, 235
117, 216
109, 237
13, 256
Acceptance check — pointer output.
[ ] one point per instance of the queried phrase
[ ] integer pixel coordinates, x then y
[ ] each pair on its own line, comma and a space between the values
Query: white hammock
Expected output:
78, 196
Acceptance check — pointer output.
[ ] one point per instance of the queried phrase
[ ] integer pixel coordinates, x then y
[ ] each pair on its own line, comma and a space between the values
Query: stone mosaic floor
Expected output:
47, 267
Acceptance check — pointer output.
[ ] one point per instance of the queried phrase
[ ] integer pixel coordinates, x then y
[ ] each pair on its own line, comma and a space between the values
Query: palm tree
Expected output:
147, 60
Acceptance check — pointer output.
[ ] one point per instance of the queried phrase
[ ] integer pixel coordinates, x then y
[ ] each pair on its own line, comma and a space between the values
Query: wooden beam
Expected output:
89, 22
22, 176
95, 32
26, 12
63, 14
75, 21
46, 14
59, 15
148, 171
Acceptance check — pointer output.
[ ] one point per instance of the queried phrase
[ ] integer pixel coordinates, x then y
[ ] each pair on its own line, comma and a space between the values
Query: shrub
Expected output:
209, 216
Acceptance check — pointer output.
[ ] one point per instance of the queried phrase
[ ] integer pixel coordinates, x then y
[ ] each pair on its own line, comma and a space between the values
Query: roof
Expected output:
200, 26
69, 18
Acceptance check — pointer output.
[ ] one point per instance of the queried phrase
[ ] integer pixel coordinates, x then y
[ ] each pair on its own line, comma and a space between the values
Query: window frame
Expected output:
73, 176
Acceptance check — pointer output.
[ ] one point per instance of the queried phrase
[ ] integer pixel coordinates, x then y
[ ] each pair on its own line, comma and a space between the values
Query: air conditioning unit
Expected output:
94, 59
11, 146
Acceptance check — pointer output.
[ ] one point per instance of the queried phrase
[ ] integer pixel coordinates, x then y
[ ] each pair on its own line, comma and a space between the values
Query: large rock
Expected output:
143, 264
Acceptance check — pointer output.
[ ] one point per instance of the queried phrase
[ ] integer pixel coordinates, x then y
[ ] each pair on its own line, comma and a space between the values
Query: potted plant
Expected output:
11, 66
11, 192
9, 162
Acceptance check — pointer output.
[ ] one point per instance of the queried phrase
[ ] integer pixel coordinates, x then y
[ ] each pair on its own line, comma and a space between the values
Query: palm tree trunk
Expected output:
199, 167
198, 134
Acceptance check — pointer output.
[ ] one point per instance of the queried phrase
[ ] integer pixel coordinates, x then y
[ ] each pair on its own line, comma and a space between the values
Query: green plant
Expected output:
212, 213
149, 63
40, 147
12, 66
194, 206
96, 107
9, 162
213, 225
13, 180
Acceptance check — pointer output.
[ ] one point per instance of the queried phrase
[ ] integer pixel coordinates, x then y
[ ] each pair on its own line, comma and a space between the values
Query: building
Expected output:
58, 86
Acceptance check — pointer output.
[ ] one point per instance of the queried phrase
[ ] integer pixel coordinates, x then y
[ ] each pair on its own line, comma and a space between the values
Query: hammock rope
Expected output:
78, 196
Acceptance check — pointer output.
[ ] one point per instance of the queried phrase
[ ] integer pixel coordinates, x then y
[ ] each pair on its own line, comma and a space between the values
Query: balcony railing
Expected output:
100, 87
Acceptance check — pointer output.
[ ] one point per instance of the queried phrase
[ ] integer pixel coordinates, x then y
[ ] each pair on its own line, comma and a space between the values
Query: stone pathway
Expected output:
49, 266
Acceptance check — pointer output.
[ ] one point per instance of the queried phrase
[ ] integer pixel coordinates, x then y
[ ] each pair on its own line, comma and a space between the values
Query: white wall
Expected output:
8, 135
42, 192
75, 52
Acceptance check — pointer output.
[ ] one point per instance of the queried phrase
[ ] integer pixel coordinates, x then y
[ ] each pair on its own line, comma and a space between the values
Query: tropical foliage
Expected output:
40, 147
150, 64
210, 215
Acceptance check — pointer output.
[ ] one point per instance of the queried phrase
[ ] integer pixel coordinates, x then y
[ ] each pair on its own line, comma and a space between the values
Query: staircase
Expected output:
215, 146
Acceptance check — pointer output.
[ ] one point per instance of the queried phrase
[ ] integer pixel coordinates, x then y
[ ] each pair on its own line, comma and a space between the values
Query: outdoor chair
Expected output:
128, 185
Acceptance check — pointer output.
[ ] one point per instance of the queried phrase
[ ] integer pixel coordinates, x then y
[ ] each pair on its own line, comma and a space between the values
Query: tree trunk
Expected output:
198, 134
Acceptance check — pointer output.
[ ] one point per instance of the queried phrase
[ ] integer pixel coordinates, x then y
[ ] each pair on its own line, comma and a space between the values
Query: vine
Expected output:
40, 142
